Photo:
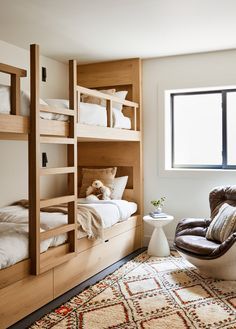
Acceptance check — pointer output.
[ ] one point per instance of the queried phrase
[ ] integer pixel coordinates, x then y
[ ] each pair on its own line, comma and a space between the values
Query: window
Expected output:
204, 129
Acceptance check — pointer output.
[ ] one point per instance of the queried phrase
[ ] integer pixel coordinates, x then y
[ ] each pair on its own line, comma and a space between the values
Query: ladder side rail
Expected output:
72, 154
34, 160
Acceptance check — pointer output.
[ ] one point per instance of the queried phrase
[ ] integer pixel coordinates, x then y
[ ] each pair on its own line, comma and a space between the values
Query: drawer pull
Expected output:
106, 240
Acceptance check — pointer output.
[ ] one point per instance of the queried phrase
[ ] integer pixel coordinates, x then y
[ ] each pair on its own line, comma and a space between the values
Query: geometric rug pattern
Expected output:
149, 293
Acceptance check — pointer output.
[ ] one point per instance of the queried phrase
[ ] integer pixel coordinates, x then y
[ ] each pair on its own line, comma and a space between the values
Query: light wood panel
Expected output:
23, 297
14, 124
53, 127
14, 273
94, 260
120, 154
106, 74
96, 133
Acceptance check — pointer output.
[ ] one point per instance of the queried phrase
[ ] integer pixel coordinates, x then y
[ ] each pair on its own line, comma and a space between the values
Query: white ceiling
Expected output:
96, 30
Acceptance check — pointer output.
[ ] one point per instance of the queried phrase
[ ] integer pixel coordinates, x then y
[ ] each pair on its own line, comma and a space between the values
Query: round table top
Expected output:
160, 219
158, 222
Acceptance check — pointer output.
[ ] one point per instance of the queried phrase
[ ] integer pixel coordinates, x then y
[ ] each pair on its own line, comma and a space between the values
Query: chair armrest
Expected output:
192, 226
224, 246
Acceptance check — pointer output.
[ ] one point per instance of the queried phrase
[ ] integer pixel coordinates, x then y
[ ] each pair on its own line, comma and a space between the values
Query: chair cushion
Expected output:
223, 224
196, 244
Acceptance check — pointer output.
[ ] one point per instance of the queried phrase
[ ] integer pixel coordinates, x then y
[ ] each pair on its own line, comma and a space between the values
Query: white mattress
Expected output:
14, 227
91, 114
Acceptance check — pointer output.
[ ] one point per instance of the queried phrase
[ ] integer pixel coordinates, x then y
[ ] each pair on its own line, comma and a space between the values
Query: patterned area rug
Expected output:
150, 293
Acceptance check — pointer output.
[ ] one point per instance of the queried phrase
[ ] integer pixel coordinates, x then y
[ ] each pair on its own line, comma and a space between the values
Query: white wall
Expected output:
13, 154
186, 191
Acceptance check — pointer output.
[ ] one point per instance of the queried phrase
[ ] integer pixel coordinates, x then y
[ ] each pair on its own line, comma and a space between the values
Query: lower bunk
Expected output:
19, 291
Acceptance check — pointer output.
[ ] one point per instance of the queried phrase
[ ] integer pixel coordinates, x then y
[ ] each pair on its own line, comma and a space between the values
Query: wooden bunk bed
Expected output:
61, 268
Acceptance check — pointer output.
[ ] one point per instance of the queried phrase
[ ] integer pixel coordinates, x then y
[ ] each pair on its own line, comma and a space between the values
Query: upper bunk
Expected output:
85, 81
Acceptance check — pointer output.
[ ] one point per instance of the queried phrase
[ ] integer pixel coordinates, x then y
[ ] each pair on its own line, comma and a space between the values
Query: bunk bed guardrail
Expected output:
15, 74
109, 101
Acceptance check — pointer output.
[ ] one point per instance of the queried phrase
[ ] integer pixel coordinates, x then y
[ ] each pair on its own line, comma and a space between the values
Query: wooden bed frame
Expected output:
61, 268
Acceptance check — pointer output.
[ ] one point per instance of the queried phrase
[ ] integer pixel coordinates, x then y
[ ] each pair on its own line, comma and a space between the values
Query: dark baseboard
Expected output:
31, 318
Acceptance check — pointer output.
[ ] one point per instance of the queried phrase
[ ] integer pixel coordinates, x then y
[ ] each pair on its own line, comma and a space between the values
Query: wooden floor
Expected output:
30, 319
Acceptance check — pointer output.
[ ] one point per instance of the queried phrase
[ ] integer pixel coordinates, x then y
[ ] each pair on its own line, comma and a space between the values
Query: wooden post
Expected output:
15, 94
72, 155
34, 160
109, 113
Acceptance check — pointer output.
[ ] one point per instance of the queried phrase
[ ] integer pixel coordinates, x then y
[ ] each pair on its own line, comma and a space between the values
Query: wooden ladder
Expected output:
35, 140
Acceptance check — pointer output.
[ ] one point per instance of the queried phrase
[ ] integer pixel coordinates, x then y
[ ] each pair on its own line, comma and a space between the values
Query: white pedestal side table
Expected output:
158, 245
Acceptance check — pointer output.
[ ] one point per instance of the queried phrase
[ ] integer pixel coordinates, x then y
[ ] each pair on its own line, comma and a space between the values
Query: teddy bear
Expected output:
98, 191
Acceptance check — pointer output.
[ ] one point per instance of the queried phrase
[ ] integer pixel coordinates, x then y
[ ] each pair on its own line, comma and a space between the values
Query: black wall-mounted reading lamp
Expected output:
44, 74
44, 159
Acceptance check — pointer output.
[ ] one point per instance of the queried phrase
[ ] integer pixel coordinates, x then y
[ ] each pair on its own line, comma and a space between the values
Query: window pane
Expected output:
231, 131
198, 129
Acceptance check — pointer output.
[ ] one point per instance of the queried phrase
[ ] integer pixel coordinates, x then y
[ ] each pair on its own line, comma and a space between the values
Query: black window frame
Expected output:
224, 164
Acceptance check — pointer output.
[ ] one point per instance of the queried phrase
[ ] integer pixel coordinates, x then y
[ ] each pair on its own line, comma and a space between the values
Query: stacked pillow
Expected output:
107, 176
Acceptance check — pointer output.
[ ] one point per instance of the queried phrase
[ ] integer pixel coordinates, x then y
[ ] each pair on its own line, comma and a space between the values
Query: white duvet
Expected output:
91, 114
14, 227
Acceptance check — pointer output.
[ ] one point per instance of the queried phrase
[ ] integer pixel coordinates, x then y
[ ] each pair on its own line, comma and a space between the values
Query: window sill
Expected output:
186, 172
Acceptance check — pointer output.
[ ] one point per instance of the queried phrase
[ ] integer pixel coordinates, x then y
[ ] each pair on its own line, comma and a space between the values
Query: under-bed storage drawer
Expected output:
23, 297
93, 260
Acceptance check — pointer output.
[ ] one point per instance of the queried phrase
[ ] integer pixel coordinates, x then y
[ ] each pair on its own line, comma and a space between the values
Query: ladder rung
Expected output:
56, 140
49, 109
57, 231
54, 171
57, 201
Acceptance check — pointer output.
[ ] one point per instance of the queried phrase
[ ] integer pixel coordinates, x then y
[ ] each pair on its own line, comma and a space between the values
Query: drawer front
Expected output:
23, 297
93, 260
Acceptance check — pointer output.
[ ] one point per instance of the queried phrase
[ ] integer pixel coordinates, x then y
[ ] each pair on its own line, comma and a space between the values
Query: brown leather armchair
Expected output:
211, 257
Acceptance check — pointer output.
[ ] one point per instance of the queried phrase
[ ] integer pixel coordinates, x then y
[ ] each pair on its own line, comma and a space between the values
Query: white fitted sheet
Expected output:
112, 211
14, 227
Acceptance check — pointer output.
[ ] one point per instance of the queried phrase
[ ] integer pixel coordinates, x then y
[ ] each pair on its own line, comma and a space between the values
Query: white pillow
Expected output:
120, 120
119, 185
25, 103
58, 103
122, 95
5, 102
